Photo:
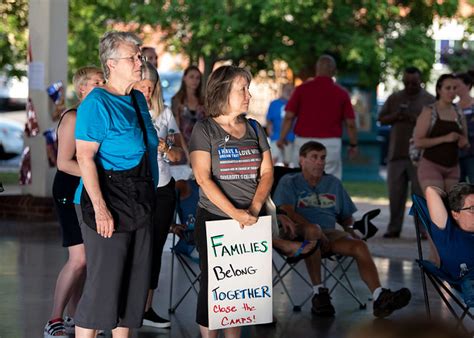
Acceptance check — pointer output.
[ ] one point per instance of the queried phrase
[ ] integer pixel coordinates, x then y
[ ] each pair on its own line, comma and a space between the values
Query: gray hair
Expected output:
109, 44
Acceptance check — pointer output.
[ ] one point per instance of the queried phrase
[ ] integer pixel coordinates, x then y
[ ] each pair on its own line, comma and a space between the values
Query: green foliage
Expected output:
368, 38
90, 19
460, 60
13, 36
462, 57
412, 47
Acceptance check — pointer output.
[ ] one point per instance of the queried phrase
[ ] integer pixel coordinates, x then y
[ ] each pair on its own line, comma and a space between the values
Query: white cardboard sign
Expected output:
240, 273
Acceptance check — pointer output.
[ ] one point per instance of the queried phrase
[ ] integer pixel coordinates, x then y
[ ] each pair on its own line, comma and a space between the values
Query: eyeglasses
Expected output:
133, 59
469, 209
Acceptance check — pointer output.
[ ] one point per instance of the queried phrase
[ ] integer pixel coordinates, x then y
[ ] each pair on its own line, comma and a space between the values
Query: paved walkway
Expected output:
31, 257
402, 248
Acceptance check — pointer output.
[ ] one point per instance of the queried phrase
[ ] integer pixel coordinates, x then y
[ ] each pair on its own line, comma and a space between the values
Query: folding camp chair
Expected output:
183, 249
334, 267
447, 288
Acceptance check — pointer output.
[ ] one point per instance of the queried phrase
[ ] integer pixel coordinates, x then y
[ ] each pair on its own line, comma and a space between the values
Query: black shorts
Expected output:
64, 188
117, 280
164, 214
202, 215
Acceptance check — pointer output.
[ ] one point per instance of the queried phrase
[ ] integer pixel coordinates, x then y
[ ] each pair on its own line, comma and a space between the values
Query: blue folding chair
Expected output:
183, 249
447, 287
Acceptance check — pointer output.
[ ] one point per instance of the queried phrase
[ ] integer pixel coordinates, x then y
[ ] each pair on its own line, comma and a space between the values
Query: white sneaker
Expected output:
150, 318
69, 325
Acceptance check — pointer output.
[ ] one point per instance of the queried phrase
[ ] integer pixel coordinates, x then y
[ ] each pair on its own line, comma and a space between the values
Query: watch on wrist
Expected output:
352, 145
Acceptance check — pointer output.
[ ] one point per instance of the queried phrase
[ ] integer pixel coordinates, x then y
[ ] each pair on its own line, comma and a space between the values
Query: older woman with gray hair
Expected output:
116, 151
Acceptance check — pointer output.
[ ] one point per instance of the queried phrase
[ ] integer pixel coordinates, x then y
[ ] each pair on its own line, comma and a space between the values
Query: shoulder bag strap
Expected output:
141, 122
434, 117
253, 123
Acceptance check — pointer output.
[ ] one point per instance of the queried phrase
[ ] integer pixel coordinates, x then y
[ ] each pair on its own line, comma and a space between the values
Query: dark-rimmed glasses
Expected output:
133, 59
469, 209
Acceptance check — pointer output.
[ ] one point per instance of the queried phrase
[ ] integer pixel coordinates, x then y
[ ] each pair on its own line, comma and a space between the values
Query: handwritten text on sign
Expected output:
240, 273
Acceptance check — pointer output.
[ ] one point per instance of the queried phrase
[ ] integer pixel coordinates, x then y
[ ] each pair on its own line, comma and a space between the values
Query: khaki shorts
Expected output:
280, 156
331, 234
335, 234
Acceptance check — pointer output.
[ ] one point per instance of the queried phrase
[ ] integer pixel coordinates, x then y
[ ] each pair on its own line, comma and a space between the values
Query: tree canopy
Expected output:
368, 38
13, 36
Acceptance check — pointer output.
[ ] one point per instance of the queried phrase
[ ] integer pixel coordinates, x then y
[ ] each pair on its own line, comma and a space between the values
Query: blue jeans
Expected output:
467, 288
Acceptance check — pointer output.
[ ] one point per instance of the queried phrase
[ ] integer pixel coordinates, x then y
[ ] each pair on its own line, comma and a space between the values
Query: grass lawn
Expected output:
367, 190
9, 178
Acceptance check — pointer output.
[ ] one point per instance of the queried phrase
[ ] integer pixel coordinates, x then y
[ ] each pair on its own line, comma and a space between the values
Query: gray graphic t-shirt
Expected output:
235, 162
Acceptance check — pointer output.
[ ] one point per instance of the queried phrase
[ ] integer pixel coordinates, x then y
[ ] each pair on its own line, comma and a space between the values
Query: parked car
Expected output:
170, 83
11, 138
13, 93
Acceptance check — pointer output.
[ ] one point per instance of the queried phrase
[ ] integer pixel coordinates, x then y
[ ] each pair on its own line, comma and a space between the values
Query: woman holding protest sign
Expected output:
227, 188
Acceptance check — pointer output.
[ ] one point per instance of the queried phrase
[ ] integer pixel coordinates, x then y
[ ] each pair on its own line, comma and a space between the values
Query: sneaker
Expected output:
322, 304
69, 325
150, 318
55, 328
389, 301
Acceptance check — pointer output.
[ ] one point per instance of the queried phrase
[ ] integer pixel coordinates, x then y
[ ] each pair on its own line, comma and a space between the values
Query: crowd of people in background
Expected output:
430, 139
122, 130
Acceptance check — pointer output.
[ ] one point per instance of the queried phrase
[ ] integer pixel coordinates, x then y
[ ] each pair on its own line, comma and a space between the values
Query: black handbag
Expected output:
129, 194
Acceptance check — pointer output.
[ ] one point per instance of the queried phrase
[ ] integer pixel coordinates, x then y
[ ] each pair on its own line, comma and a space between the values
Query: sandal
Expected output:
299, 255
55, 328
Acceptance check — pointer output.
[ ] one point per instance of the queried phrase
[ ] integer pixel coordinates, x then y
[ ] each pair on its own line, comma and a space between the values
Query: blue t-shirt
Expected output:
455, 248
276, 113
325, 204
111, 121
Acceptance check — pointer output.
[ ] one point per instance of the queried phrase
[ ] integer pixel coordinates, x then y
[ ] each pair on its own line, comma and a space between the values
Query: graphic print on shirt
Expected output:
238, 160
316, 200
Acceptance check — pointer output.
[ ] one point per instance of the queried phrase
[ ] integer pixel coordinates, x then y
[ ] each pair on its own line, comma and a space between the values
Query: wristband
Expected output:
352, 145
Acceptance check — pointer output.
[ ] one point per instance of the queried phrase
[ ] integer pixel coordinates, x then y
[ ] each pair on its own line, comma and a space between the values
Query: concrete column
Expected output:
48, 29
